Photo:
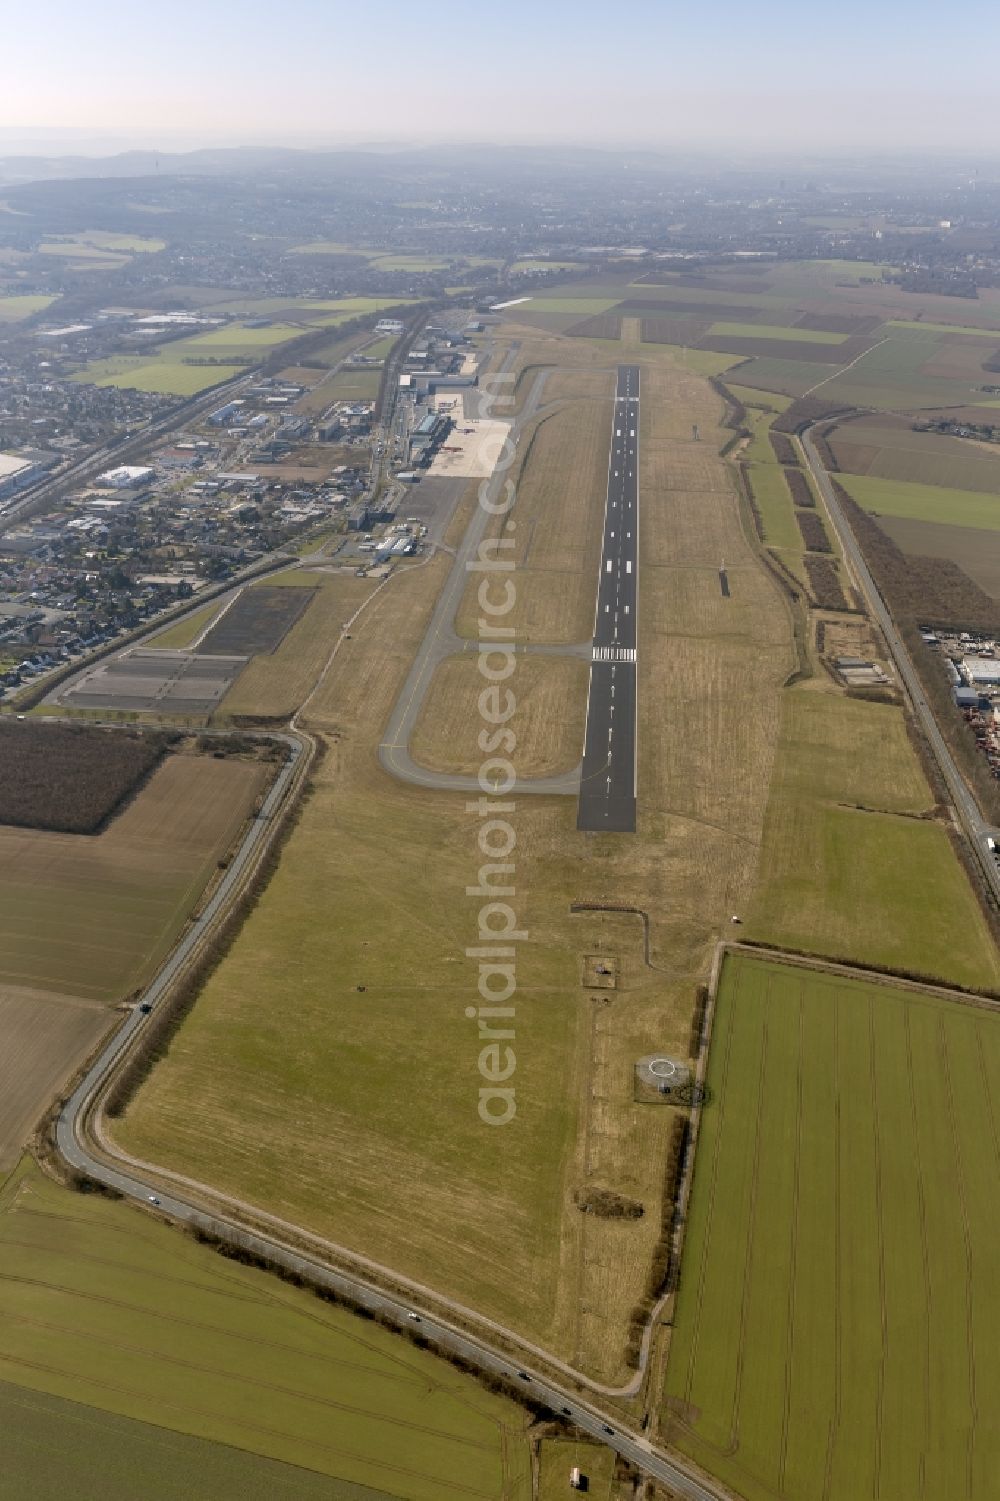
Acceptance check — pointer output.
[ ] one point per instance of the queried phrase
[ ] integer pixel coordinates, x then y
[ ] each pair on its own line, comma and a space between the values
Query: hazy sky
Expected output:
784, 73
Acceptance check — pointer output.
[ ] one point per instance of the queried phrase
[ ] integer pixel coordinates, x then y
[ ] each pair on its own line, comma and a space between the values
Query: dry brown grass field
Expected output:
853, 864
581, 385
328, 1072
86, 919
354, 1110
551, 695
44, 1037
273, 686
887, 449
93, 915
561, 484
973, 549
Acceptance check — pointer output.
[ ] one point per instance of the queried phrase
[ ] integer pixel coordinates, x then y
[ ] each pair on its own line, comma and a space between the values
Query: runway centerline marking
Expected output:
608, 784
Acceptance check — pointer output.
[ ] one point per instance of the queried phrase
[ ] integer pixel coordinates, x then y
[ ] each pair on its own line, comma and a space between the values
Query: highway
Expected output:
976, 827
608, 780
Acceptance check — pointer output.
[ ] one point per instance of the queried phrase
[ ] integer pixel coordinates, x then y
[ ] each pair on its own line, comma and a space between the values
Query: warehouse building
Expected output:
984, 670
126, 477
429, 432
15, 473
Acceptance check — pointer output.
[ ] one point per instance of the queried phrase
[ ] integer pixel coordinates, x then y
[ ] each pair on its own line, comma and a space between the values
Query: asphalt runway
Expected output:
608, 782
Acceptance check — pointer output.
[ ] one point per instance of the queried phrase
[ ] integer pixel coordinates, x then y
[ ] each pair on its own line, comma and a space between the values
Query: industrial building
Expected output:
223, 414
985, 670
126, 477
15, 473
427, 436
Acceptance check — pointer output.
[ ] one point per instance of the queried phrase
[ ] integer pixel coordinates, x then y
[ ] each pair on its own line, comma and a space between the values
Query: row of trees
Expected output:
814, 534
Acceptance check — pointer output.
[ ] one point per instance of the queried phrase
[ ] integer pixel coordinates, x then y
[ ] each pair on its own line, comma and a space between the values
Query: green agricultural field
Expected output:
854, 271
926, 326
353, 385
773, 331
178, 636
106, 239
888, 450
887, 497
585, 307
767, 481
161, 1370
49, 1443
558, 1457
234, 340
837, 1333
100, 242
331, 247
415, 263
16, 307
769, 401
851, 866
251, 307
380, 349
783, 377
776, 510
891, 376
171, 378
699, 361
79, 250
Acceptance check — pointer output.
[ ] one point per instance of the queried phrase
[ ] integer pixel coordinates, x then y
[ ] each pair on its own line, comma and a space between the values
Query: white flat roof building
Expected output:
981, 669
10, 465
14, 472
125, 476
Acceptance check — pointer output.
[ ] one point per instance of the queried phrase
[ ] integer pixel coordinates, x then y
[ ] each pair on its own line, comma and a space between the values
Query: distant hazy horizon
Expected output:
654, 73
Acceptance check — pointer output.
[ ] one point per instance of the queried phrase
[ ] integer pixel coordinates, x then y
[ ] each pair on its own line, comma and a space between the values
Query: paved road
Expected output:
976, 827
441, 641
137, 1019
608, 783
111, 454
73, 1145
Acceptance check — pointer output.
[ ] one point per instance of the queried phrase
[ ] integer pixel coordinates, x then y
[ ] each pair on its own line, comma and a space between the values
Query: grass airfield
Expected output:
288, 1066
328, 1072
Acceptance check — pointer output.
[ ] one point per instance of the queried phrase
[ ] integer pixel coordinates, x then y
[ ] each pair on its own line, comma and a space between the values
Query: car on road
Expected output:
414, 1316
152, 1198
609, 1430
